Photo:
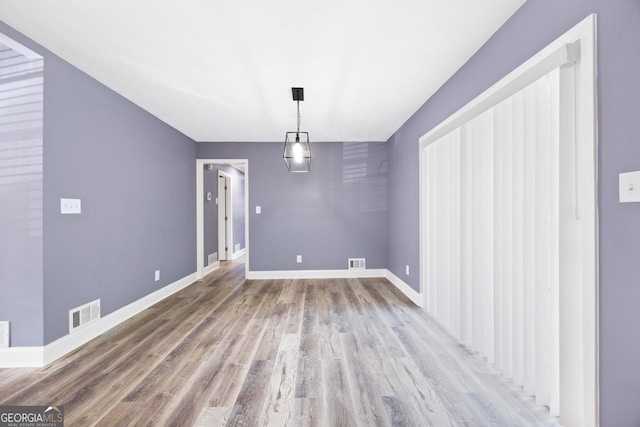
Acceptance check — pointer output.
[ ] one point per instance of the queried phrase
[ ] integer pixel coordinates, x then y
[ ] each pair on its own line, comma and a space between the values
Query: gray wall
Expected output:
534, 26
210, 216
135, 176
335, 212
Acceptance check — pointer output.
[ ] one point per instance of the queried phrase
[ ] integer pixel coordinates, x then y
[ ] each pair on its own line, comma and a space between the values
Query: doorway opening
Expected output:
222, 212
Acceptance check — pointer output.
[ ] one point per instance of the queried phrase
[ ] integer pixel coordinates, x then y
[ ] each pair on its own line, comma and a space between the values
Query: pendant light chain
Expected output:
299, 120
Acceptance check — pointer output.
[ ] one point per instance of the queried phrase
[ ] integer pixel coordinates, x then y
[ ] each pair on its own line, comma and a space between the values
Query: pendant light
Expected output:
297, 152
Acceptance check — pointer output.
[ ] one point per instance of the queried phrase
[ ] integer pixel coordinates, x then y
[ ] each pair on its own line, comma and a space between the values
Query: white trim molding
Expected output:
210, 268
315, 274
407, 290
22, 357
14, 45
33, 357
238, 254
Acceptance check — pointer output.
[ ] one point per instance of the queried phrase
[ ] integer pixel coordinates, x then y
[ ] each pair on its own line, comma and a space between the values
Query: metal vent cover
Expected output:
357, 264
84, 314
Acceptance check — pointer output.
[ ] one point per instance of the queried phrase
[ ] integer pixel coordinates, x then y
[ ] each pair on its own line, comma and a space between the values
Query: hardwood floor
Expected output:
225, 351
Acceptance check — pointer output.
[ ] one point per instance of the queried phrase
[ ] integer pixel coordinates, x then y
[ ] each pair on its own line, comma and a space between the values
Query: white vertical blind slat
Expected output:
507, 225
483, 227
542, 240
528, 237
518, 244
455, 236
466, 274
498, 239
476, 239
554, 246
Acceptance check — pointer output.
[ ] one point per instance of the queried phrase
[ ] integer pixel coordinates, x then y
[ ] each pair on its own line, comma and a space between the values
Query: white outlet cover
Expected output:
299, 259
70, 206
157, 275
629, 187
258, 209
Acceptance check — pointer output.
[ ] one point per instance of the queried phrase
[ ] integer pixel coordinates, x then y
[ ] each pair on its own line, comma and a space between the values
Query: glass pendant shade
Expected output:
297, 152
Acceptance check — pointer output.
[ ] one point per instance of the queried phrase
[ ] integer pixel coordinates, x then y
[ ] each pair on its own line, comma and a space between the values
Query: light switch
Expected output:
70, 206
258, 209
629, 187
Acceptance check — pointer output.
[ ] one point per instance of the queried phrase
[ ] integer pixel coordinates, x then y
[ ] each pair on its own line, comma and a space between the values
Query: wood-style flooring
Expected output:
235, 352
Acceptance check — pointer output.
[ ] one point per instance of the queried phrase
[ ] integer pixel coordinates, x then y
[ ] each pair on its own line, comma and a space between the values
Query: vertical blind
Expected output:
492, 238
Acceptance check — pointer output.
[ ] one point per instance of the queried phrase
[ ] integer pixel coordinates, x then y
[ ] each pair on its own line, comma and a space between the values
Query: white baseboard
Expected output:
314, 274
210, 268
22, 357
409, 292
238, 254
14, 357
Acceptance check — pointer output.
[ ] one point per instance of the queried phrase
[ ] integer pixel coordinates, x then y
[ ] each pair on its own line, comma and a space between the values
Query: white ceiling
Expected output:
223, 70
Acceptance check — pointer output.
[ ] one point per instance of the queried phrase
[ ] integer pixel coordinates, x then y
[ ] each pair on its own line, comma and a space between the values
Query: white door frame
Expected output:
579, 331
200, 163
225, 209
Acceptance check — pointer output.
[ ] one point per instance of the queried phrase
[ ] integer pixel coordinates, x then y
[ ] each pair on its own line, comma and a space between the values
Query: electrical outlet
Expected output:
70, 206
406, 269
299, 259
157, 275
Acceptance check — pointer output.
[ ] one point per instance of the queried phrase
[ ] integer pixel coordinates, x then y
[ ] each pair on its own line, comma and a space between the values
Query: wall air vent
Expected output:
4, 334
80, 316
356, 264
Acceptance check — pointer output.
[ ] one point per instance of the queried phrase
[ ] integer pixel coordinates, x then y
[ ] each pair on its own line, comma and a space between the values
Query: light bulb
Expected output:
296, 150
